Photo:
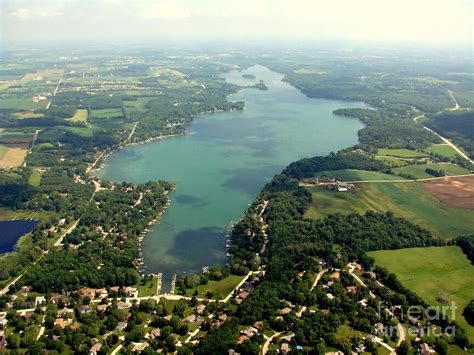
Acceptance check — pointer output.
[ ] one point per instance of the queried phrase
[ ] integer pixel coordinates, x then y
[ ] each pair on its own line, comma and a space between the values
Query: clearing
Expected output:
401, 153
358, 175
407, 199
79, 116
107, 113
418, 170
220, 289
445, 150
457, 192
432, 273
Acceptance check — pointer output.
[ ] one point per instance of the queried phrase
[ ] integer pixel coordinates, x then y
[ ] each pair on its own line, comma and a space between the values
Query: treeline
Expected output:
467, 245
308, 167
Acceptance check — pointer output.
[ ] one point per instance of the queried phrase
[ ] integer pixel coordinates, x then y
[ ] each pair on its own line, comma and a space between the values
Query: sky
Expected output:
403, 21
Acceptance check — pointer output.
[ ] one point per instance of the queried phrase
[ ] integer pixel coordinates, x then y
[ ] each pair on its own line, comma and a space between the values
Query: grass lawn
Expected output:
79, 116
107, 113
35, 179
418, 171
358, 175
401, 153
433, 272
28, 114
146, 287
220, 289
407, 199
443, 150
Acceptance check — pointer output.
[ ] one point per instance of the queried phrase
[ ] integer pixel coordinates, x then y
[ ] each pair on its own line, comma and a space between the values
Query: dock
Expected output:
158, 283
173, 284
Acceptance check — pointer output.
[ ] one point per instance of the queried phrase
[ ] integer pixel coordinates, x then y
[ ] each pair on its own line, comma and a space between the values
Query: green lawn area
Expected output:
358, 175
443, 150
6, 214
401, 153
107, 113
405, 199
433, 272
418, 171
79, 116
393, 161
220, 289
147, 287
35, 179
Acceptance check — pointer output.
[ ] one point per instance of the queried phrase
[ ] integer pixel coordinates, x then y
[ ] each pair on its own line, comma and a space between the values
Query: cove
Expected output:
11, 231
223, 162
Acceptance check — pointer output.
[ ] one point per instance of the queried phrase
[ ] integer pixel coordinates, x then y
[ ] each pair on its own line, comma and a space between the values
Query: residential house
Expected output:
95, 349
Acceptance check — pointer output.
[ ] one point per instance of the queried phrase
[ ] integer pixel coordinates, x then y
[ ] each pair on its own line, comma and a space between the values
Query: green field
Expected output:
3, 150
418, 171
433, 272
443, 149
401, 153
79, 116
107, 113
407, 199
358, 175
220, 289
21, 103
35, 179
81, 131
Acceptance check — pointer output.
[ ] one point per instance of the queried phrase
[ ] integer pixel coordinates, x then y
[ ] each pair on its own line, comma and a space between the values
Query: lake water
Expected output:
223, 162
11, 231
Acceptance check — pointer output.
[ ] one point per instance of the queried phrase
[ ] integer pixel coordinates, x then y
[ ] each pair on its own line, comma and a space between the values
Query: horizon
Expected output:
440, 23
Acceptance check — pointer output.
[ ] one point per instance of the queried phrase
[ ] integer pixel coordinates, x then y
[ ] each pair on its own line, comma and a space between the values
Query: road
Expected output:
55, 92
37, 131
58, 242
132, 132
456, 104
268, 341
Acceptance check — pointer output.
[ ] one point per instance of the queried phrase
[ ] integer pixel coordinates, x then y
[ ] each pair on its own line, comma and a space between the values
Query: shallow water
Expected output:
223, 162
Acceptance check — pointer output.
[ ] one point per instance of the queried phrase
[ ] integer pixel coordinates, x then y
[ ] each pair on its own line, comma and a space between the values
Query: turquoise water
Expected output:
223, 162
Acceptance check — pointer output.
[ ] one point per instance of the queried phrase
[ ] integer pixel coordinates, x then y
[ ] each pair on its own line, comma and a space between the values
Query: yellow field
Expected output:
28, 114
13, 157
48, 74
79, 116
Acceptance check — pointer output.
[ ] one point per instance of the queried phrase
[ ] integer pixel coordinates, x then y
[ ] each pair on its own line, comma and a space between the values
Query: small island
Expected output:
249, 76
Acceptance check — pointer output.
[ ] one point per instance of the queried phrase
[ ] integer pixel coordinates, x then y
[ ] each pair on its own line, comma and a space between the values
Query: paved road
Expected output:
268, 341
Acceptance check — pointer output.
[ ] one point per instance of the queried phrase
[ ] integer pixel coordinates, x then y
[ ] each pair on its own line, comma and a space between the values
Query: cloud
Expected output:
26, 14
169, 9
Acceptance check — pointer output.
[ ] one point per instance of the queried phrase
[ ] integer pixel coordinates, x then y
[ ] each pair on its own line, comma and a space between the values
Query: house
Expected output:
379, 329
351, 289
242, 339
360, 348
155, 333
40, 300
363, 303
3, 322
285, 311
222, 317
87, 292
330, 296
200, 308
2, 341
259, 325
335, 353
425, 349
336, 275
95, 349
64, 312
121, 326
131, 292
190, 319
244, 294
101, 307
62, 323
325, 311
139, 347
101, 293
123, 305
249, 331
285, 348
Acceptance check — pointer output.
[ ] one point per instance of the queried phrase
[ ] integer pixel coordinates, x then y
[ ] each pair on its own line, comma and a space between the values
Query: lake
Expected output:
11, 231
223, 162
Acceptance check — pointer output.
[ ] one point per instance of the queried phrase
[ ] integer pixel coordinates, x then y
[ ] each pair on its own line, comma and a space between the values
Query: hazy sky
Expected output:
428, 21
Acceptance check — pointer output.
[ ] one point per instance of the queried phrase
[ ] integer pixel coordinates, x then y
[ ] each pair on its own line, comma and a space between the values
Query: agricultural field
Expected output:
418, 170
107, 113
358, 175
28, 114
79, 116
405, 199
12, 157
432, 273
219, 289
455, 191
21, 103
401, 153
444, 150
